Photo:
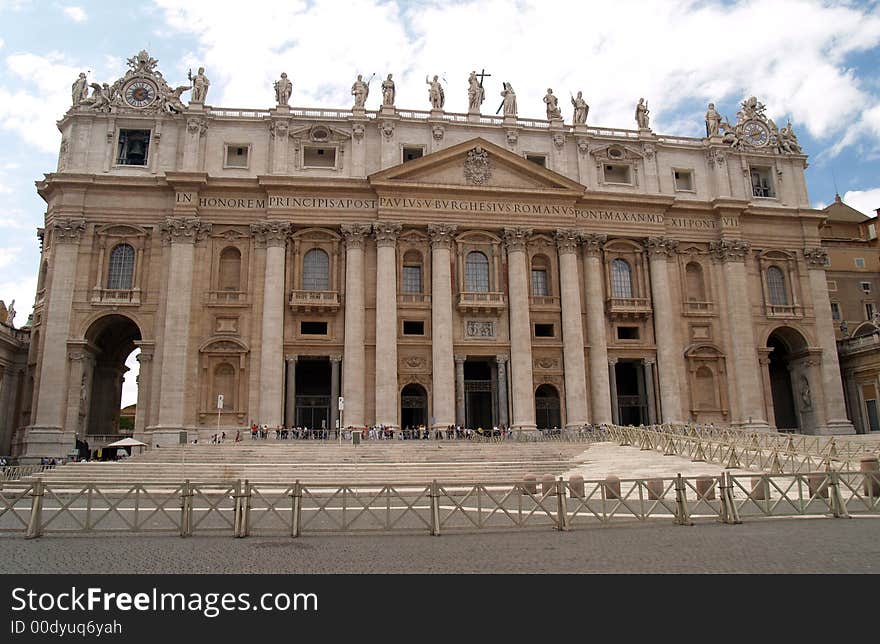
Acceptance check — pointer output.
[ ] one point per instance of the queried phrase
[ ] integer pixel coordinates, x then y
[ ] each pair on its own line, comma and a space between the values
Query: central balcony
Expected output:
307, 301
629, 307
116, 296
491, 303
226, 298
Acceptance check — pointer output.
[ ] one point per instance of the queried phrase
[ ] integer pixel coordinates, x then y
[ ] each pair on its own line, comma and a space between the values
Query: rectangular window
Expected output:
627, 333
411, 153
543, 330
835, 311
412, 279
832, 285
872, 231
540, 159
869, 311
315, 157
684, 180
313, 328
762, 184
236, 156
413, 327
133, 147
539, 283
860, 262
865, 286
616, 173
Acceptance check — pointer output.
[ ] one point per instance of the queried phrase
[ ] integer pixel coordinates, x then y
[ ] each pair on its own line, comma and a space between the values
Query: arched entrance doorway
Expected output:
413, 406
789, 385
112, 338
547, 408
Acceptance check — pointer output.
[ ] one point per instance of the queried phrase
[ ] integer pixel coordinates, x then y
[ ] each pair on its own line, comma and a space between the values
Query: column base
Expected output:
45, 442
753, 426
576, 426
166, 436
524, 432
836, 427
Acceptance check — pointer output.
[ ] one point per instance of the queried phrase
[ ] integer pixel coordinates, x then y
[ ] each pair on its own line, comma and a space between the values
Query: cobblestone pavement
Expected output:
815, 545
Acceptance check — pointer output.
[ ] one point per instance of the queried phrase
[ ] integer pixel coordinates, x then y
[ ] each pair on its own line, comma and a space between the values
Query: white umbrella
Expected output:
127, 442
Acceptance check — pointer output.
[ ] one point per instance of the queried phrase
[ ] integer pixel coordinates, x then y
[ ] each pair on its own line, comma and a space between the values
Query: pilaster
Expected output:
353, 375
576, 407
601, 390
516, 241
444, 395
387, 408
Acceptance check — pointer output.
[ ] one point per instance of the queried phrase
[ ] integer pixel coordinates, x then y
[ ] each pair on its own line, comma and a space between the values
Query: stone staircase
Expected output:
317, 462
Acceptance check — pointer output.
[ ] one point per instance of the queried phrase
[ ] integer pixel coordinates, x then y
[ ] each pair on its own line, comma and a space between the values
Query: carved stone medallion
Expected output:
477, 169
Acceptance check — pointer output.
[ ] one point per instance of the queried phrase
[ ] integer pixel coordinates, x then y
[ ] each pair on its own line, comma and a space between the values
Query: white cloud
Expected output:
865, 201
77, 14
670, 53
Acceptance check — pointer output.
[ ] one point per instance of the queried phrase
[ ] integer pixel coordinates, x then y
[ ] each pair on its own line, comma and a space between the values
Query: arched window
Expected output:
316, 271
540, 283
411, 281
776, 286
696, 287
621, 279
476, 273
230, 269
224, 383
705, 394
121, 270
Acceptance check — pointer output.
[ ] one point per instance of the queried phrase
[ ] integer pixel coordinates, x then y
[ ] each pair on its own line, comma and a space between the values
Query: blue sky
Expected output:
817, 63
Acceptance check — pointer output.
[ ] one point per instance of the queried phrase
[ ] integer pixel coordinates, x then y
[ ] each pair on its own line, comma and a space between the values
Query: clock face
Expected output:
756, 134
139, 93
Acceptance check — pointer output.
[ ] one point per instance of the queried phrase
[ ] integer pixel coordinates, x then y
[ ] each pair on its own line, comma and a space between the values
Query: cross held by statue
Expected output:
482, 75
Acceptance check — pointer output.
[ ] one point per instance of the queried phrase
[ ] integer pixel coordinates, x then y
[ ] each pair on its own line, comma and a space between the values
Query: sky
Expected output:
815, 63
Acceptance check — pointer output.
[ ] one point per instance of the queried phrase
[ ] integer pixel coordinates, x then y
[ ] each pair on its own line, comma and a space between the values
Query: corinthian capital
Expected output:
354, 234
730, 250
517, 238
593, 243
441, 234
661, 246
271, 233
386, 232
68, 231
179, 230
816, 257
567, 240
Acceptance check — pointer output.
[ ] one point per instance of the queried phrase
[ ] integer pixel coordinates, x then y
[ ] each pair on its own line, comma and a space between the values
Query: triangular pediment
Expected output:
476, 164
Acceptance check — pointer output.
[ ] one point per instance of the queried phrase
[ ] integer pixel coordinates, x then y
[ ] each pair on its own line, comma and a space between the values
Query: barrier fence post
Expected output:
186, 509
838, 507
245, 510
35, 525
681, 511
435, 509
729, 513
296, 510
561, 508
236, 521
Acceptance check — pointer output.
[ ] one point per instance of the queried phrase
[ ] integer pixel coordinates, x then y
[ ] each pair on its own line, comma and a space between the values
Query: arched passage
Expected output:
413, 406
113, 338
786, 343
547, 408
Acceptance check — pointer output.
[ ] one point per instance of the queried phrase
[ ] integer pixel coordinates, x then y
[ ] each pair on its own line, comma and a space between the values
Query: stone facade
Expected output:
428, 267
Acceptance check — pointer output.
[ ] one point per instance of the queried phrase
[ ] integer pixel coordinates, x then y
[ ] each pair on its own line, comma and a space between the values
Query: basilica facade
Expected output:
425, 267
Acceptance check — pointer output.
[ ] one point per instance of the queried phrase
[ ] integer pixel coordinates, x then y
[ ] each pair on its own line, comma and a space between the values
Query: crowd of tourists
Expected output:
262, 432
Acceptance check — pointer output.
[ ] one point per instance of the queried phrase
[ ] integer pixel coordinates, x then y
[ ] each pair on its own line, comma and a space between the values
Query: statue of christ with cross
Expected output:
476, 93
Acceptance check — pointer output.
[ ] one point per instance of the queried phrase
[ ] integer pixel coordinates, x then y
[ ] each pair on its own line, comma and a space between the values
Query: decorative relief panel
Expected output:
478, 329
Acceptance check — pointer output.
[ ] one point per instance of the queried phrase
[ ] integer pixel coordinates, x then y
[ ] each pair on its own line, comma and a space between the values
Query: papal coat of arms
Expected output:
476, 166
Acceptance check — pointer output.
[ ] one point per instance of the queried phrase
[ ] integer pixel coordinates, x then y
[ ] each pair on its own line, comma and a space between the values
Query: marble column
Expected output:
577, 412
44, 437
767, 388
444, 394
501, 363
523, 392
669, 350
856, 415
290, 394
612, 377
460, 418
832, 386
272, 235
353, 376
648, 364
334, 391
387, 408
144, 381
744, 361
180, 235
600, 388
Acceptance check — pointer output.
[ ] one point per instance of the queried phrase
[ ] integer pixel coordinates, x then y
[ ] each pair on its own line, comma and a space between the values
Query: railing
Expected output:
851, 345
116, 296
413, 298
237, 113
17, 472
225, 297
680, 140
544, 300
692, 307
307, 300
244, 508
481, 300
784, 310
629, 305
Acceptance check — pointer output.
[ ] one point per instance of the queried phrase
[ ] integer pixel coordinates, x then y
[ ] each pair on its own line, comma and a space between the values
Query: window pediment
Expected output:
121, 230
224, 345
616, 152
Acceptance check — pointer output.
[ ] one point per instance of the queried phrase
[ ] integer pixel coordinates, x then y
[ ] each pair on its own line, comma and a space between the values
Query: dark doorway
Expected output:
632, 408
114, 337
780, 384
313, 393
547, 408
413, 406
479, 394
